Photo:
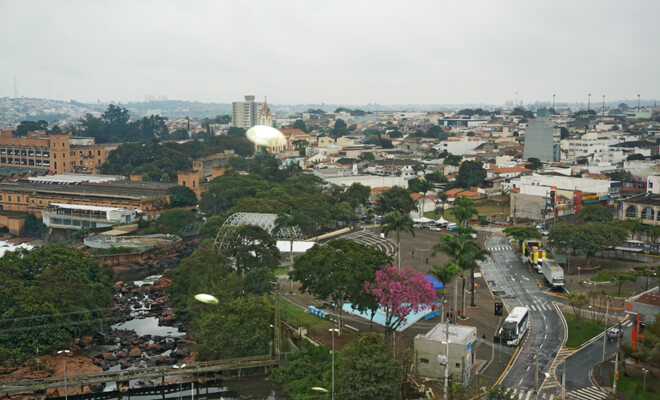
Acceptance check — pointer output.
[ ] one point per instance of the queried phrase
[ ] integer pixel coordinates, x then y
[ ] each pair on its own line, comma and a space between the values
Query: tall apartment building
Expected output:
57, 152
248, 113
245, 114
540, 139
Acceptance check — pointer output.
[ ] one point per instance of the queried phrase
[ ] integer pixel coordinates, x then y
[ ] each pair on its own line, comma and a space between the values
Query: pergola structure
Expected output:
262, 220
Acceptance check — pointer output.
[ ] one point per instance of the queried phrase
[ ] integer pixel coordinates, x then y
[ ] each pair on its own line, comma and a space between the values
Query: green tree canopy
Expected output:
309, 367
171, 221
181, 196
534, 163
339, 129
30, 126
300, 124
358, 376
396, 222
250, 247
396, 199
48, 296
470, 173
335, 273
595, 213
463, 209
521, 233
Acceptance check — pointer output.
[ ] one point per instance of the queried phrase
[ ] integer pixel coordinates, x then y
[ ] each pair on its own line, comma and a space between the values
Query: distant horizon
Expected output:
539, 103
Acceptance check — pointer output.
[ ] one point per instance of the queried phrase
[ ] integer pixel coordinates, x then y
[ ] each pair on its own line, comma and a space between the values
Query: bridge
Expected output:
124, 377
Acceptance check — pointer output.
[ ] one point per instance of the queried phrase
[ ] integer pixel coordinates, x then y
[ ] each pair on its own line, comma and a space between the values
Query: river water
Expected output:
247, 388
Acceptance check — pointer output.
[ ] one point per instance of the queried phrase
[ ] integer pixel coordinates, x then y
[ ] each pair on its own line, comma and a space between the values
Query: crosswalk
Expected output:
588, 393
540, 307
498, 248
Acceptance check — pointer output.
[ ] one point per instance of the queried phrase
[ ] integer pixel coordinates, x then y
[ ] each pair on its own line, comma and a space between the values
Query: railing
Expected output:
138, 374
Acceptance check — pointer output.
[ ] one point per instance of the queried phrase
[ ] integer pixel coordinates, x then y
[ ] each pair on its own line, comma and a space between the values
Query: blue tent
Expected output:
436, 283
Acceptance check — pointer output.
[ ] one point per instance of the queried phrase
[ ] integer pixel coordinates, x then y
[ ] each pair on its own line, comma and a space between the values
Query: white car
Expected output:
436, 228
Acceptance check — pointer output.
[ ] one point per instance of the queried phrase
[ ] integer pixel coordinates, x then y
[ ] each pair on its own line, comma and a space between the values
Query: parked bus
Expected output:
515, 326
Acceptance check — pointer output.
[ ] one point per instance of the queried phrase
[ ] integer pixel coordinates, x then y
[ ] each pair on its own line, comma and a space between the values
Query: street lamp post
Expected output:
179, 367
63, 352
332, 388
645, 371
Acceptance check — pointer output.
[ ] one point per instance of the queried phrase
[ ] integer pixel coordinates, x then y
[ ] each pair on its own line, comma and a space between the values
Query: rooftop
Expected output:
118, 190
644, 199
652, 299
457, 333
76, 178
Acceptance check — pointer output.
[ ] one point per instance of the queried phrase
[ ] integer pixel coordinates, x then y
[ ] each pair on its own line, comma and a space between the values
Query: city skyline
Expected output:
336, 53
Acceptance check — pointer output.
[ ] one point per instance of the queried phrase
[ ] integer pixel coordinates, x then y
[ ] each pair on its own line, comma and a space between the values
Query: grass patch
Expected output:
578, 333
600, 279
489, 208
632, 388
281, 271
297, 316
615, 293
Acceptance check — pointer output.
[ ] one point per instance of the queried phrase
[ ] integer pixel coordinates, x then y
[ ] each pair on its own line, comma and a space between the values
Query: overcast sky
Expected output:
351, 52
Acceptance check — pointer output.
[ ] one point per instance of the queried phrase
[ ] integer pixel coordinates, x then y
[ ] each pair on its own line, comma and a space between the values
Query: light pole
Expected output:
332, 388
443, 359
645, 371
553, 103
637, 102
63, 352
588, 104
179, 367
579, 282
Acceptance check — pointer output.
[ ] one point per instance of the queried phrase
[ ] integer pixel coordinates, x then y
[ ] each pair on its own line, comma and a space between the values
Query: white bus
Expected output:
515, 326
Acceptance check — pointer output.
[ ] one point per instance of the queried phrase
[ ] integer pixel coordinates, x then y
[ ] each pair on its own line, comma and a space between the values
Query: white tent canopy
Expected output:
441, 221
422, 220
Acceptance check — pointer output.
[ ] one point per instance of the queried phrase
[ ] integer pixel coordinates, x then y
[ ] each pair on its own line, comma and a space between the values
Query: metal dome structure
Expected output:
262, 220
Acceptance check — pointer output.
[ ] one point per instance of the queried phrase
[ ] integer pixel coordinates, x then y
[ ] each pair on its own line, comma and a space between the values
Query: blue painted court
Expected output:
379, 318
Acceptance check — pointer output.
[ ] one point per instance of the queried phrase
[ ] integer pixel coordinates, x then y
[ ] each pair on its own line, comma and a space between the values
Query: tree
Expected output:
595, 213
339, 129
562, 236
367, 156
300, 124
399, 293
171, 221
594, 237
443, 200
309, 367
300, 145
534, 163
563, 133
238, 328
335, 273
619, 277
577, 301
620, 175
236, 132
500, 392
521, 233
30, 126
359, 378
436, 177
446, 274
451, 159
33, 226
465, 252
48, 296
181, 196
396, 199
463, 209
288, 223
470, 173
250, 247
649, 345
396, 222
522, 112
357, 194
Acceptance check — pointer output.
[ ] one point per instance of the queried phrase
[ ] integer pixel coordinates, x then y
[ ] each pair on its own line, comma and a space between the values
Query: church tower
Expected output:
265, 116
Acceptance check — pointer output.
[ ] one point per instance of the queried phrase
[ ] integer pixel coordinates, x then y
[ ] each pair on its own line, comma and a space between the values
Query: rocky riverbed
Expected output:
141, 331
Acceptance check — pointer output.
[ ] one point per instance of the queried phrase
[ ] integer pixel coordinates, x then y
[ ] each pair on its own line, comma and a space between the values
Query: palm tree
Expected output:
446, 274
465, 251
288, 222
396, 222
424, 186
443, 199
463, 209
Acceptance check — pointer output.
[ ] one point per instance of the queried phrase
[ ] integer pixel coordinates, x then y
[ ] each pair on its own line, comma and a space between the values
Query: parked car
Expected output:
614, 333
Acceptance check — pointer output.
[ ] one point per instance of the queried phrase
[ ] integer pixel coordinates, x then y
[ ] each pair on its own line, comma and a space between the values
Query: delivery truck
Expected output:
553, 273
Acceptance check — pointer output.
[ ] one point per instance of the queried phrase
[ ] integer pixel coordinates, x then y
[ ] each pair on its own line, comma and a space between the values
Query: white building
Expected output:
431, 350
79, 216
245, 114
459, 146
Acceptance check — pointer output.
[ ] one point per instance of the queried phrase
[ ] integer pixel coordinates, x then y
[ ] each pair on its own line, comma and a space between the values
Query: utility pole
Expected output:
607, 310
447, 360
563, 383
616, 366
637, 102
536, 373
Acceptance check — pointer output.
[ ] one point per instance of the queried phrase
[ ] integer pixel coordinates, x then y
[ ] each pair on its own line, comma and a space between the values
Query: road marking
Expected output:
521, 381
528, 367
532, 306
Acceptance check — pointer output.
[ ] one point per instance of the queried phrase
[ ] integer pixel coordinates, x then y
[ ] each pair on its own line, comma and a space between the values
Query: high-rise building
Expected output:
539, 141
245, 114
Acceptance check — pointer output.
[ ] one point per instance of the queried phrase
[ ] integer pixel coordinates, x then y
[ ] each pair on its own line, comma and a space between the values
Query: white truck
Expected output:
553, 273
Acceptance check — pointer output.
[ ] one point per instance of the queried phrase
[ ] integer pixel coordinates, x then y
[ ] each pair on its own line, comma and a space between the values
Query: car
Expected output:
614, 333
436, 228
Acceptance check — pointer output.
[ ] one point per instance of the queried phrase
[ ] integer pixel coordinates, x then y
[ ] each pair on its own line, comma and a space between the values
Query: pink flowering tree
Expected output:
399, 293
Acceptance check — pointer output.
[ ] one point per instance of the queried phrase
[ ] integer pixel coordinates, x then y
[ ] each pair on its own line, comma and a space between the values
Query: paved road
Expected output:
580, 364
516, 284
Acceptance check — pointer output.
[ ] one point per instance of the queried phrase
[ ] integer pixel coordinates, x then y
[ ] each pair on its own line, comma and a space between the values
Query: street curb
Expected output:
508, 366
563, 342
